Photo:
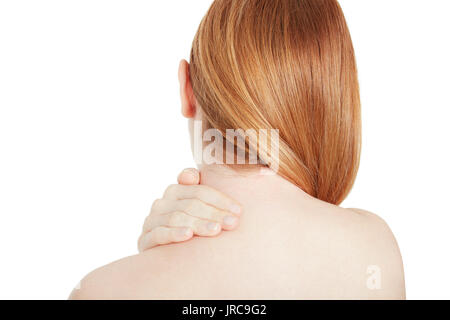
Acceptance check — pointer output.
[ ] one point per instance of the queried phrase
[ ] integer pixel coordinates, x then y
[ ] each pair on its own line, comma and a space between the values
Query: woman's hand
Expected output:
188, 209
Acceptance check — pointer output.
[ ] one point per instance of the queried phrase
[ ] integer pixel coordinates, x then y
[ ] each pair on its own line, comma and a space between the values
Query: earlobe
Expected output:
188, 104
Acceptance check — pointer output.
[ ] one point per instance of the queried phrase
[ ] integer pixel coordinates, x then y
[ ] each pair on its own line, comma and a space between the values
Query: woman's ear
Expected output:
188, 102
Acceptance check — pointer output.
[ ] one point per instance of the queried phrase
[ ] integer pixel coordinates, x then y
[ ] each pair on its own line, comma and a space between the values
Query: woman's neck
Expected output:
250, 183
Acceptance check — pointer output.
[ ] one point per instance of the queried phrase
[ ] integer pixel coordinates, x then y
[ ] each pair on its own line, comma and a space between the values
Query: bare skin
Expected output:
288, 246
285, 244
187, 210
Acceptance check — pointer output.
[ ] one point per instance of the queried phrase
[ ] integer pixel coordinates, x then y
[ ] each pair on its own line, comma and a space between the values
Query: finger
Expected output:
200, 227
206, 194
198, 209
162, 236
159, 206
194, 208
189, 177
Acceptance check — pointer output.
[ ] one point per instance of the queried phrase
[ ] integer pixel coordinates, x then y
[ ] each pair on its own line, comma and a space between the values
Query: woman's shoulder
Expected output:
355, 250
109, 282
374, 228
376, 249
354, 255
166, 272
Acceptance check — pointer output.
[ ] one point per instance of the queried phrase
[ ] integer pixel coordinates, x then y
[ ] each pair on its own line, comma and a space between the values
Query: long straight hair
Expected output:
286, 65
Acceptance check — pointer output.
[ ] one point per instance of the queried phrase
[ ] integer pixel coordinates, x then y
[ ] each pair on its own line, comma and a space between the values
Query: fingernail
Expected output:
187, 171
229, 221
235, 209
213, 226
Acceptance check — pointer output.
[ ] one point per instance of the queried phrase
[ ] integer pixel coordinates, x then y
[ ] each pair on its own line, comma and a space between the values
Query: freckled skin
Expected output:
288, 246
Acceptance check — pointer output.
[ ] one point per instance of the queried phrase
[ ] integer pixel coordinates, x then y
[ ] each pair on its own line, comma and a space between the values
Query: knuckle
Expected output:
156, 205
153, 222
170, 191
139, 243
147, 223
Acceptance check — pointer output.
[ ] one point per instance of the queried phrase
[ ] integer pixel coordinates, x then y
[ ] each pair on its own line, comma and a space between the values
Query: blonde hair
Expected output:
286, 65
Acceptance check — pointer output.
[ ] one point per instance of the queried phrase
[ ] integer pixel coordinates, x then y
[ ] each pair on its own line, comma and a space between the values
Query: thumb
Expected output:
189, 177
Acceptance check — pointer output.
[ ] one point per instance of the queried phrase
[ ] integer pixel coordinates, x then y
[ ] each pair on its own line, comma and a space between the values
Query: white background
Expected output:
91, 132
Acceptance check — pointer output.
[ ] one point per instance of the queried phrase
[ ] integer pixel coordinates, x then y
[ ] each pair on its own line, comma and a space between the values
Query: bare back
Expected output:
288, 246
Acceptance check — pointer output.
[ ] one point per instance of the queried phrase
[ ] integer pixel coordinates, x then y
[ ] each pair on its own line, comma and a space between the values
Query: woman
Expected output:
284, 65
